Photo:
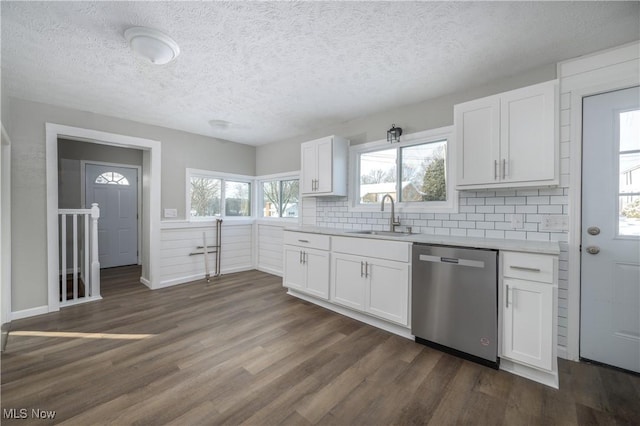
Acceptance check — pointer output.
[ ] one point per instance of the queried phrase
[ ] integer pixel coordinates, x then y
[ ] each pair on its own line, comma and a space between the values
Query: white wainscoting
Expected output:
269, 245
179, 238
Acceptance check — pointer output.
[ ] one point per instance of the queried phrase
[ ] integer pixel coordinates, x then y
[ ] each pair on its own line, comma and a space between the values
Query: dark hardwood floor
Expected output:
239, 350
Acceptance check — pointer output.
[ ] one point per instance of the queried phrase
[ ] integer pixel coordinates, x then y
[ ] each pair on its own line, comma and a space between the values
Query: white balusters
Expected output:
84, 251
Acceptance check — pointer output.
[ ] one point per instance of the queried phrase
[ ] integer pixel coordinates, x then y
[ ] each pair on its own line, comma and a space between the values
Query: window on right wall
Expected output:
415, 173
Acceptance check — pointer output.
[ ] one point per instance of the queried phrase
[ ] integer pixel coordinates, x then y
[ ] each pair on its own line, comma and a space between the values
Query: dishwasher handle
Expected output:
452, 261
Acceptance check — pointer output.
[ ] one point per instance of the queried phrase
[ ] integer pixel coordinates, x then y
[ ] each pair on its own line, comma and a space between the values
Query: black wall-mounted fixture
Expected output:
393, 134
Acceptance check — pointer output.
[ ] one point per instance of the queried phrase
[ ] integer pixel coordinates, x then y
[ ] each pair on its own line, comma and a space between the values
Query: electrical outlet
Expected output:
170, 212
517, 221
555, 222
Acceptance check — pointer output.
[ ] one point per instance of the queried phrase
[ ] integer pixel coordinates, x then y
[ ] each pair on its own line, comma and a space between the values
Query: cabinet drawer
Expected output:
303, 239
527, 266
390, 250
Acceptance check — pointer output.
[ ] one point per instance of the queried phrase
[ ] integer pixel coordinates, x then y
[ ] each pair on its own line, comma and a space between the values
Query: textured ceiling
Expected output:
281, 69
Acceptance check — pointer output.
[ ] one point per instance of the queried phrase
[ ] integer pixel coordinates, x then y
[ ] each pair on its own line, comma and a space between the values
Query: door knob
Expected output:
593, 249
593, 230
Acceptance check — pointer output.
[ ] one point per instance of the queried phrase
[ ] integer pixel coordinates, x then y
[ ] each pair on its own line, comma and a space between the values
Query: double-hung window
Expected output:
416, 173
211, 195
279, 196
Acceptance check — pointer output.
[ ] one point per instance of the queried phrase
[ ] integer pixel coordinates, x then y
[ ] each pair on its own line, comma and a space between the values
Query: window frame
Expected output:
418, 138
259, 196
223, 177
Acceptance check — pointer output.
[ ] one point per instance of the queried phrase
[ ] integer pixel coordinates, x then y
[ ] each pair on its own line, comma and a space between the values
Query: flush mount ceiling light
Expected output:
152, 45
220, 124
393, 134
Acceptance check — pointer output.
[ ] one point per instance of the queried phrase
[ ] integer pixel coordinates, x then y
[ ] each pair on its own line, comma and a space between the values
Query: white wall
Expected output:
26, 127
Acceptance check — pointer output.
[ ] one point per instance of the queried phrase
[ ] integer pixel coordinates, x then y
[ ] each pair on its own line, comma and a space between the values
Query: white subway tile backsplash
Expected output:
538, 199
480, 214
526, 209
515, 235
475, 233
458, 232
505, 209
494, 234
494, 200
550, 209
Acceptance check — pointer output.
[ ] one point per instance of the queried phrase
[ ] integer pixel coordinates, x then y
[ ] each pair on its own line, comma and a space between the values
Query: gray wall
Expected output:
284, 156
26, 126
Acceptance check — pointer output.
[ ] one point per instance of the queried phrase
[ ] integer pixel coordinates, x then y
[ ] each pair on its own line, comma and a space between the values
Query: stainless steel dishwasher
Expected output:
454, 301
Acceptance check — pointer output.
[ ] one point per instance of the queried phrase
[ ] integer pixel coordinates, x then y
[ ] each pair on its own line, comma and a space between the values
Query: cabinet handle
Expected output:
366, 269
303, 241
495, 169
524, 268
361, 266
507, 295
300, 257
504, 168
304, 257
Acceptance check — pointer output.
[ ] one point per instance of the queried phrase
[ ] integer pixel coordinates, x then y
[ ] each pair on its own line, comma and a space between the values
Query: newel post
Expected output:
95, 263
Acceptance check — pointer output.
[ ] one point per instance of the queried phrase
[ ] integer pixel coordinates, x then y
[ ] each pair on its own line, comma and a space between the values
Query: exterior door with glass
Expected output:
115, 189
610, 276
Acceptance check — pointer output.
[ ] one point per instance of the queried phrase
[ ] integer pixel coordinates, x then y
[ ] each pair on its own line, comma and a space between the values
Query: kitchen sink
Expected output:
384, 233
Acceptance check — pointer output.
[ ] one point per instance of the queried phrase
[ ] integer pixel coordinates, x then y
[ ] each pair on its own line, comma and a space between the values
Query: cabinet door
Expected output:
388, 290
528, 140
317, 265
478, 137
527, 327
294, 269
348, 283
308, 167
324, 166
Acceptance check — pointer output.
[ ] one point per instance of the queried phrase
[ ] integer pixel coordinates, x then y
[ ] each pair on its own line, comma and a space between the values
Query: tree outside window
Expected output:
280, 198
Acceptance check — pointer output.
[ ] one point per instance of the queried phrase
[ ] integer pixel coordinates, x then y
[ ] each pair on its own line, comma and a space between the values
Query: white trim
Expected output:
269, 271
55, 131
83, 195
545, 377
189, 172
280, 176
31, 312
180, 224
586, 76
80, 301
434, 135
562, 352
198, 277
5, 227
373, 321
146, 282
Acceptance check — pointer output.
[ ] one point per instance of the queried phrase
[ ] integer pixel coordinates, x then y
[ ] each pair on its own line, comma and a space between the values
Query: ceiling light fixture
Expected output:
220, 124
393, 134
153, 45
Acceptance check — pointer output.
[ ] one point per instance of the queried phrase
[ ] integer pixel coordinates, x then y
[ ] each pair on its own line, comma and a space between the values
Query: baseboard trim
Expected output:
198, 277
31, 312
5, 335
546, 378
271, 271
372, 321
145, 281
80, 301
562, 352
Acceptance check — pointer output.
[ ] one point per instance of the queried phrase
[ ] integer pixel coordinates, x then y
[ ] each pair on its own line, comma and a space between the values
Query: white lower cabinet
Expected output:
529, 288
375, 286
306, 264
528, 316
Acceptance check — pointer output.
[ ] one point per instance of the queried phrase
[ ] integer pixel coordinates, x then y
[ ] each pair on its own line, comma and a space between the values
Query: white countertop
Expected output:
543, 247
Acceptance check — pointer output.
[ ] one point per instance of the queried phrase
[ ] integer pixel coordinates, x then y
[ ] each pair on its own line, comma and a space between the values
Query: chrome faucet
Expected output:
393, 222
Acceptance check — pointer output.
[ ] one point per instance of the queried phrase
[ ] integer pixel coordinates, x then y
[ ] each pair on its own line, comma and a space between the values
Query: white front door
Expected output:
610, 283
115, 189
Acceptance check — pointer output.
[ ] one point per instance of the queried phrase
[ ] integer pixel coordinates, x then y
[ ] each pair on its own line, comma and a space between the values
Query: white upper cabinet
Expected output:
509, 140
324, 167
